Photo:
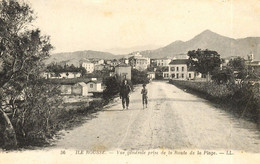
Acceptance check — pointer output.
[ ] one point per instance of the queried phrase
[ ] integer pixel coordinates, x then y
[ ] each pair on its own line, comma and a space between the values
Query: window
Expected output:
177, 68
182, 69
173, 75
172, 68
189, 75
182, 75
91, 85
177, 75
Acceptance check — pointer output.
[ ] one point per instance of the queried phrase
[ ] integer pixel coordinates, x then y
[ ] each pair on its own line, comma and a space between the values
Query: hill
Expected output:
225, 46
74, 57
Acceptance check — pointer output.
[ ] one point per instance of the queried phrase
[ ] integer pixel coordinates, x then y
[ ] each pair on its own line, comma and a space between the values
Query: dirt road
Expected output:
174, 119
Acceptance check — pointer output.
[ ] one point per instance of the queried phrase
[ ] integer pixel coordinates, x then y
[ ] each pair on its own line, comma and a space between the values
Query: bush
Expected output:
223, 76
244, 98
139, 77
112, 87
35, 116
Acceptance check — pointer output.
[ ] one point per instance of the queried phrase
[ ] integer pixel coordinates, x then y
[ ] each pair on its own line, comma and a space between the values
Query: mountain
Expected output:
225, 46
74, 57
132, 49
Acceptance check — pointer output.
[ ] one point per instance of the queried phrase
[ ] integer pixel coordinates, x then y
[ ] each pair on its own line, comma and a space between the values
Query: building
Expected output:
99, 67
114, 62
165, 72
100, 61
151, 75
178, 69
70, 75
94, 86
78, 89
137, 61
88, 66
123, 71
163, 62
253, 65
61, 75
108, 62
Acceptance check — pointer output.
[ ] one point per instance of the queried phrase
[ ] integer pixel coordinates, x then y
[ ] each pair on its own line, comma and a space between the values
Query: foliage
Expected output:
112, 87
57, 69
244, 98
139, 77
204, 61
223, 76
34, 116
238, 64
26, 104
99, 74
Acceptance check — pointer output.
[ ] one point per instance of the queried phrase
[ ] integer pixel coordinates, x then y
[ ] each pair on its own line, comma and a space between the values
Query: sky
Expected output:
76, 25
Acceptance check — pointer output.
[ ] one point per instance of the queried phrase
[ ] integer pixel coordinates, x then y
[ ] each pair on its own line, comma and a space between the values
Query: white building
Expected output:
88, 66
94, 86
137, 61
179, 70
101, 61
151, 75
78, 89
69, 75
163, 62
62, 75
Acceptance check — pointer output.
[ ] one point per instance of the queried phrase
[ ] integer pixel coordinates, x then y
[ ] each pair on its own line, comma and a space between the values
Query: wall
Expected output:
180, 73
94, 88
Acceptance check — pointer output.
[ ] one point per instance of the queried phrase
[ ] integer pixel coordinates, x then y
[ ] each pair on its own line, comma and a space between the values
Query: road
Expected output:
174, 119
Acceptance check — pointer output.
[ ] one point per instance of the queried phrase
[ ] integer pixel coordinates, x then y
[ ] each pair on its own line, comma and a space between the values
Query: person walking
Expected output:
124, 94
144, 93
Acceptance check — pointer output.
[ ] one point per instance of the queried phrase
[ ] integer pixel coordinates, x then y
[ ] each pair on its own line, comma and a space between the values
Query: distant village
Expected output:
84, 77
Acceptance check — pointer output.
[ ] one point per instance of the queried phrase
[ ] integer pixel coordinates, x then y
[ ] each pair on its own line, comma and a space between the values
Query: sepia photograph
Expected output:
129, 81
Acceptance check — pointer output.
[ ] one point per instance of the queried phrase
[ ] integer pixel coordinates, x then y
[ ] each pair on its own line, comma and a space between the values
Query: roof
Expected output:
82, 84
191, 69
165, 58
122, 65
179, 61
93, 82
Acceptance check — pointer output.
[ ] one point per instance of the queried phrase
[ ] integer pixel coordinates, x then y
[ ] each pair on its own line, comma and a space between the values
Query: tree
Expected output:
204, 61
112, 87
238, 65
139, 77
223, 76
22, 50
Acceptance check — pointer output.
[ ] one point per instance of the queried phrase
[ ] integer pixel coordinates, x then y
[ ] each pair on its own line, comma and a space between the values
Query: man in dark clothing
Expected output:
124, 94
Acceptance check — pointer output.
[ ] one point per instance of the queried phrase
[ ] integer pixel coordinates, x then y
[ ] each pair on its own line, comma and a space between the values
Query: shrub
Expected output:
139, 77
243, 98
112, 87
